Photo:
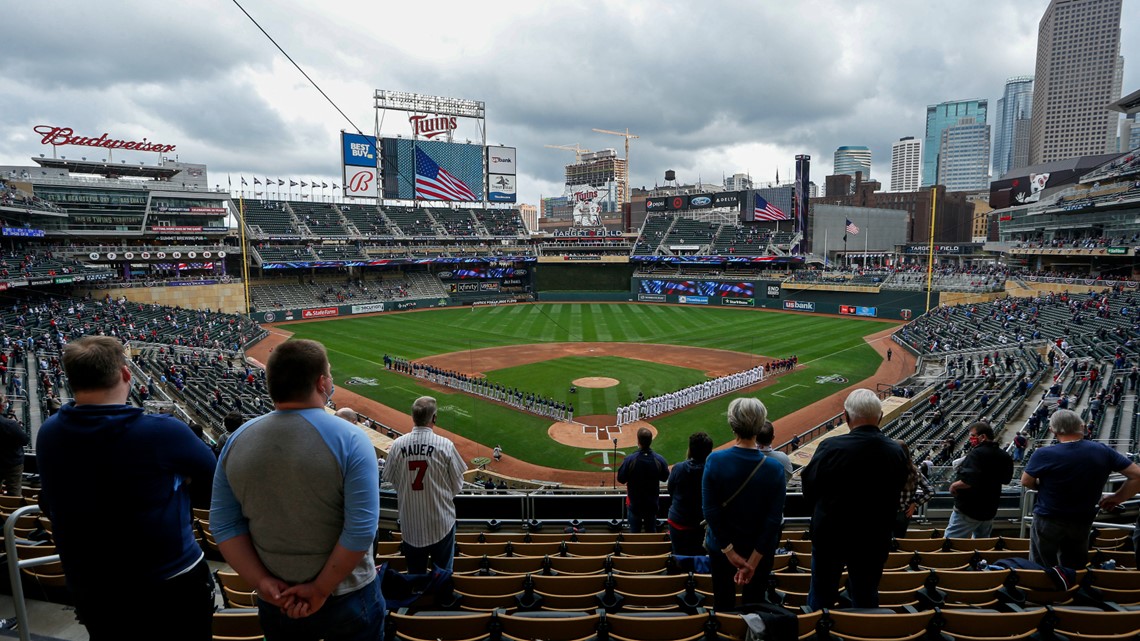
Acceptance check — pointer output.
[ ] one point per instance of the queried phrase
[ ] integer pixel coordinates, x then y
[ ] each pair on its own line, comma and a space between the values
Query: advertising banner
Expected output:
367, 309
358, 151
651, 298
655, 204
701, 201
773, 291
693, 300
320, 312
501, 188
727, 199
359, 182
489, 287
739, 302
23, 232
799, 306
501, 160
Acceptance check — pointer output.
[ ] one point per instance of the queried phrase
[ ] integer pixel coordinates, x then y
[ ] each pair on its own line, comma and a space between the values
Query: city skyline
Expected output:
238, 106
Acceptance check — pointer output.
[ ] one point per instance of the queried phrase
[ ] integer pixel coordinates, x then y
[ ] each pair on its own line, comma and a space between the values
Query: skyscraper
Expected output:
850, 159
906, 164
1078, 73
1014, 110
964, 156
938, 118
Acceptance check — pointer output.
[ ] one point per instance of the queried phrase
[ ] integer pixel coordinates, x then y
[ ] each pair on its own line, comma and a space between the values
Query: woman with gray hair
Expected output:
743, 497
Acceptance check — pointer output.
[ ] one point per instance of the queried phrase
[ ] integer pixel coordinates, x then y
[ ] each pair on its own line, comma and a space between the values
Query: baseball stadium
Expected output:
549, 346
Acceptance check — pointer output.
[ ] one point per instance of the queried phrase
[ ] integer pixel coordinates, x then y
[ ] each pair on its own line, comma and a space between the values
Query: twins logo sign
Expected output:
830, 378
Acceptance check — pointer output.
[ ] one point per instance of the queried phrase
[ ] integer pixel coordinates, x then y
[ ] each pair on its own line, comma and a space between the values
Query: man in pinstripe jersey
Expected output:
427, 472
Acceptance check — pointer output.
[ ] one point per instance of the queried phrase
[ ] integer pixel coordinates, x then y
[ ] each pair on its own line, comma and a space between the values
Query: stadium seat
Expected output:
968, 588
967, 624
1013, 543
1097, 625
658, 626
1118, 586
516, 564
944, 560
731, 626
440, 626
969, 545
237, 625
1037, 587
549, 626
640, 564
883, 626
920, 545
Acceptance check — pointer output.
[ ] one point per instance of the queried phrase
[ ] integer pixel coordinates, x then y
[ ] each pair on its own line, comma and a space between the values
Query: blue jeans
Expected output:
356, 616
964, 527
638, 524
442, 554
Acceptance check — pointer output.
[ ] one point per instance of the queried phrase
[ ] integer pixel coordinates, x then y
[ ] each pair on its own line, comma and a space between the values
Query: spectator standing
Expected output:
855, 478
13, 440
764, 440
427, 472
1069, 477
977, 489
296, 504
743, 496
686, 516
916, 492
155, 463
642, 473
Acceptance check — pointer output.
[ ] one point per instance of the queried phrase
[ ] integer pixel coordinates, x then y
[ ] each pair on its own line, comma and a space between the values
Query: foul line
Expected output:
787, 389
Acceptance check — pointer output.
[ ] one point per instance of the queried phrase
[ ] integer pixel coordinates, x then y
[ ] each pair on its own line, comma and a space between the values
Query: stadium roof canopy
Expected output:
1129, 104
110, 170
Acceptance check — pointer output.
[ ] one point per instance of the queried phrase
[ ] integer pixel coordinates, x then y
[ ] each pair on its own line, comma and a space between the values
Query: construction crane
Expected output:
578, 150
627, 136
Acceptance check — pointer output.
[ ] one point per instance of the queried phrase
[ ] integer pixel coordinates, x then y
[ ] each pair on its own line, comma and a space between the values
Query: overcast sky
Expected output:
711, 88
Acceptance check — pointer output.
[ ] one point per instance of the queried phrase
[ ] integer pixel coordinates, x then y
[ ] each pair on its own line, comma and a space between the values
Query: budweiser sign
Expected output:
58, 136
432, 126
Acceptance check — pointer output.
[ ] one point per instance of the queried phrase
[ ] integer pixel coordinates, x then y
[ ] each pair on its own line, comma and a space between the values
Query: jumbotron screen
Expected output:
697, 288
431, 170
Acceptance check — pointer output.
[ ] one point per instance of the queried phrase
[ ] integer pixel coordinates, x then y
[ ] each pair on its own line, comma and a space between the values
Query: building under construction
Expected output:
603, 170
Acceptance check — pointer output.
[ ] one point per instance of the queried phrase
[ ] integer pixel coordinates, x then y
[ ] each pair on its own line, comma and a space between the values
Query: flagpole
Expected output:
244, 253
866, 241
825, 230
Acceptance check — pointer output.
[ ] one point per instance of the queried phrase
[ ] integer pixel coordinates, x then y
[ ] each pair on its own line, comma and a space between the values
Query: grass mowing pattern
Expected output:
826, 344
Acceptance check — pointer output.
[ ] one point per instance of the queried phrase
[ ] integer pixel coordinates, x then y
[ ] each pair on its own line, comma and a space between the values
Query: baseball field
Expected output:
632, 348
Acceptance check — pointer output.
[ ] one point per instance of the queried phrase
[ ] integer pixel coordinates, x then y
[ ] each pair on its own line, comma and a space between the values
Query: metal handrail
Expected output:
16, 564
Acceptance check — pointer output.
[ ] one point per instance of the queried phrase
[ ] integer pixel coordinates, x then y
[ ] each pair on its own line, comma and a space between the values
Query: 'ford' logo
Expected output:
701, 201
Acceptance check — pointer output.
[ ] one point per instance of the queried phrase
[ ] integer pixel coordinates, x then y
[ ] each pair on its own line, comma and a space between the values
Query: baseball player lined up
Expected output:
427, 472
691, 395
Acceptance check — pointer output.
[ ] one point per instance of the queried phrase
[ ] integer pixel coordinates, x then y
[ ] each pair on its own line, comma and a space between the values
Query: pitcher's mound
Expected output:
596, 381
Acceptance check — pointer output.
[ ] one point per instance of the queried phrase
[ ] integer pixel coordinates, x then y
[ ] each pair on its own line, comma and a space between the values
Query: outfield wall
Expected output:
577, 277
894, 305
336, 311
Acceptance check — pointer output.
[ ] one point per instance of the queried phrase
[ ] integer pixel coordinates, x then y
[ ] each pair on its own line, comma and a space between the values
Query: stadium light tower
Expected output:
627, 136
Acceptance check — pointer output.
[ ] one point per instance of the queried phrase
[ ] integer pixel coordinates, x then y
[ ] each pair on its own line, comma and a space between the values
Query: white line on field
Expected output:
786, 389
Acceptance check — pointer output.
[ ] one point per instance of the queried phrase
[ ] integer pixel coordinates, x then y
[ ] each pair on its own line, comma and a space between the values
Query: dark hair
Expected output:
700, 446
982, 428
232, 421
197, 429
766, 433
294, 368
94, 362
644, 438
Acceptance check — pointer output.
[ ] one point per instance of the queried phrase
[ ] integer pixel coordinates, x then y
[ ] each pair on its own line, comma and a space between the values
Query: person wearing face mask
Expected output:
296, 504
977, 489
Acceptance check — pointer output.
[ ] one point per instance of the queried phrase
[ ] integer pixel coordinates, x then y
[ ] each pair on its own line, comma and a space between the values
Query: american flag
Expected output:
767, 211
851, 228
435, 183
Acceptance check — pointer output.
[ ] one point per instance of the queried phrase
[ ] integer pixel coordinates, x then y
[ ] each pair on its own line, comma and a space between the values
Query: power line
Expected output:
290, 59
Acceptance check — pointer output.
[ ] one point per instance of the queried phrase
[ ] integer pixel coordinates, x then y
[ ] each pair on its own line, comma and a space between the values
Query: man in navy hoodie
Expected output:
118, 486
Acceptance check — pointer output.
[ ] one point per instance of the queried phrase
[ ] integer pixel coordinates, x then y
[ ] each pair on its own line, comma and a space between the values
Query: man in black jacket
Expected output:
643, 473
13, 440
981, 475
854, 482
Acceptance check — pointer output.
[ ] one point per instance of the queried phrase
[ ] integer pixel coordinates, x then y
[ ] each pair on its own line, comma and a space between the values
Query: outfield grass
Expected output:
827, 345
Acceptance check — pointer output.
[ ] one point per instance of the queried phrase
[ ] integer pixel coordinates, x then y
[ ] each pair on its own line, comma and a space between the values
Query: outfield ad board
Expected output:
316, 313
358, 163
770, 295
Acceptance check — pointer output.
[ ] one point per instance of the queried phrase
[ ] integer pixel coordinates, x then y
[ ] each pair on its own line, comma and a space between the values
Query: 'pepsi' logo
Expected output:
701, 201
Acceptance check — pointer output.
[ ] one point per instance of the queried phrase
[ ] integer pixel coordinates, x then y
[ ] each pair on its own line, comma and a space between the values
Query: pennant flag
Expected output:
767, 211
256, 181
280, 183
325, 185
435, 183
304, 184
336, 186
229, 181
851, 228
243, 182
